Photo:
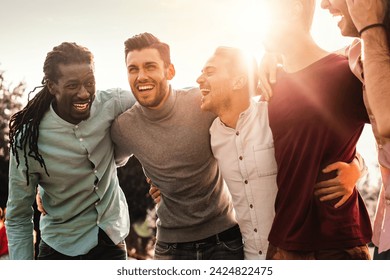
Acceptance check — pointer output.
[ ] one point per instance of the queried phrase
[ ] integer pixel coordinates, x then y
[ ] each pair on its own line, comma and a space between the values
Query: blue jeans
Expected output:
105, 250
221, 246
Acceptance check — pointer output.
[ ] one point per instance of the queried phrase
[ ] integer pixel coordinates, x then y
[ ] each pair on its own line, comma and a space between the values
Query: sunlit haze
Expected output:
193, 28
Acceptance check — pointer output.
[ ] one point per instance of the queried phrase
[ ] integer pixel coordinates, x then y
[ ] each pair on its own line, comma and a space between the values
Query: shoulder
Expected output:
108, 94
335, 71
114, 95
189, 98
189, 92
337, 61
129, 114
115, 100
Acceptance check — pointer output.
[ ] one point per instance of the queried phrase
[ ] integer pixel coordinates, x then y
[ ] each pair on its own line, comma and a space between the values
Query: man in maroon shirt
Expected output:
316, 120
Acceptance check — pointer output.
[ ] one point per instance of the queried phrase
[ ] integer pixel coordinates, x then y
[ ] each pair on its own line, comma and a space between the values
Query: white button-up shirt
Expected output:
246, 158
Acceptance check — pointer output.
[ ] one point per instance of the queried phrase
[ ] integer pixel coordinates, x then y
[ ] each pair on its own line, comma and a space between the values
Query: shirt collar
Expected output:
58, 119
354, 59
243, 115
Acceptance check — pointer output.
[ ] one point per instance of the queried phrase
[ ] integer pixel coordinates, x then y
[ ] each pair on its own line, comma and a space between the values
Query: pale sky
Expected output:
193, 29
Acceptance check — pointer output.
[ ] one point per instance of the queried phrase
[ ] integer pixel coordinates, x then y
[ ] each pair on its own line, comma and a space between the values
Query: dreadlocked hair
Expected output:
24, 125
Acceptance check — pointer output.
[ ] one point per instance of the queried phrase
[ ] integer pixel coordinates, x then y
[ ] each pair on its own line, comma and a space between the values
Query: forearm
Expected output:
20, 240
376, 64
19, 214
19, 227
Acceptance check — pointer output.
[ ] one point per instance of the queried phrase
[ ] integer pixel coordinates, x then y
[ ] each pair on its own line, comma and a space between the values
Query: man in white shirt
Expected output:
242, 143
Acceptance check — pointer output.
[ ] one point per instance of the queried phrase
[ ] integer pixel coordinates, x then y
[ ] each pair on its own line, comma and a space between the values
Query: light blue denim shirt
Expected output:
81, 193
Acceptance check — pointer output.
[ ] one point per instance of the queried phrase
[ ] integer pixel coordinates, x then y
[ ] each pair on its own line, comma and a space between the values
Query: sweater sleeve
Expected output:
122, 150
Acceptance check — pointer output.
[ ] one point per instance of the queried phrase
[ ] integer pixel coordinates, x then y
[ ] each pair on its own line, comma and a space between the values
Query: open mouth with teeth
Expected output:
81, 107
204, 90
145, 88
337, 17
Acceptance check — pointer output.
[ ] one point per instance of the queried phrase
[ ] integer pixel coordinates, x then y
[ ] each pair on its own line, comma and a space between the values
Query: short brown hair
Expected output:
148, 41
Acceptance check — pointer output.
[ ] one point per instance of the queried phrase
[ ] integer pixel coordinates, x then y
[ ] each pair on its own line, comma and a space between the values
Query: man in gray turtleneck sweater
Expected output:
169, 134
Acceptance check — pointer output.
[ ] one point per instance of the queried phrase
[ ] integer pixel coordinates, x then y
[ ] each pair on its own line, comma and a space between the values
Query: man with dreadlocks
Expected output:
370, 21
61, 142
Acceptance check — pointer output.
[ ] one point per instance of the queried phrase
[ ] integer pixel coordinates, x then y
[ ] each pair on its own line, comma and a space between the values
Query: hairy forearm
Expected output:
376, 64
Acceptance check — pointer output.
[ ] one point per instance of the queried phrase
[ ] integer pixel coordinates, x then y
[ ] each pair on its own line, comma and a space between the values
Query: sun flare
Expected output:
249, 21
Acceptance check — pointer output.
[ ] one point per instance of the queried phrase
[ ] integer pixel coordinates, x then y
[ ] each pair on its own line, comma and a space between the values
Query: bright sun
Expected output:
249, 22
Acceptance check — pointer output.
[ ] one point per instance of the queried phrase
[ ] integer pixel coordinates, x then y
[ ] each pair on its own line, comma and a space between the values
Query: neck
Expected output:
300, 52
229, 116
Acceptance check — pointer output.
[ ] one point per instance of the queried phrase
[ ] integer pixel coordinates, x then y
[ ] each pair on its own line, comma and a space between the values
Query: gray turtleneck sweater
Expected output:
173, 146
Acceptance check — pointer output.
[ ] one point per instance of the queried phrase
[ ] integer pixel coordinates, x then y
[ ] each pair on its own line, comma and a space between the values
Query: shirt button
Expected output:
96, 203
240, 158
246, 181
255, 230
237, 133
251, 206
95, 171
96, 188
98, 222
76, 126
81, 139
387, 201
380, 146
372, 117
260, 252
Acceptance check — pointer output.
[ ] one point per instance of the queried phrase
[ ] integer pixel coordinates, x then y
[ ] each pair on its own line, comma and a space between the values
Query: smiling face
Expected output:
339, 9
148, 77
215, 84
74, 91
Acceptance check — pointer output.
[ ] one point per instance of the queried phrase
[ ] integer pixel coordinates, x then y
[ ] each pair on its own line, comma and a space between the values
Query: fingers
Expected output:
268, 69
331, 193
333, 167
155, 194
326, 190
327, 183
341, 201
330, 196
265, 90
40, 204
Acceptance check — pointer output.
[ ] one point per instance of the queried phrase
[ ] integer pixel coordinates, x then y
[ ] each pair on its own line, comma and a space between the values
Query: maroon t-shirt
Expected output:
316, 116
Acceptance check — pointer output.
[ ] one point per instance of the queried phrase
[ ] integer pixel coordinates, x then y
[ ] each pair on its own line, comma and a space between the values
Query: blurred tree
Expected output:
133, 183
10, 103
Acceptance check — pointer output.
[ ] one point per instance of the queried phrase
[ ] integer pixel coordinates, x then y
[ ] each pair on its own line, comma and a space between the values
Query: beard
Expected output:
152, 100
